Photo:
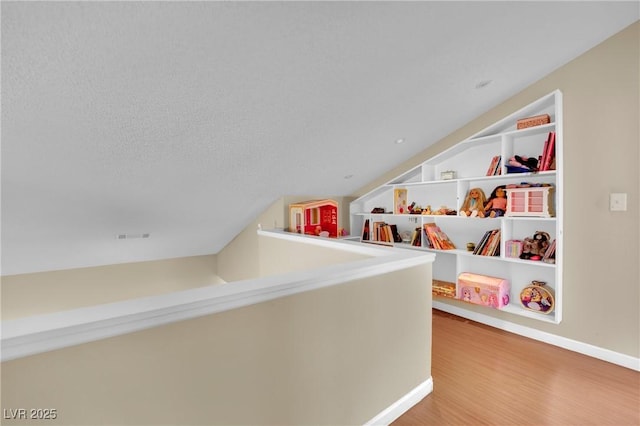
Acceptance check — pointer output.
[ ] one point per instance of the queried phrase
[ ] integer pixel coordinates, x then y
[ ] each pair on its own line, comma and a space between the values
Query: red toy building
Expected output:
314, 217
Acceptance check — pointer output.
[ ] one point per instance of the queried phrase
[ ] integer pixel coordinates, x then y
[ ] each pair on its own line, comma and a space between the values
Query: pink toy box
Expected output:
483, 290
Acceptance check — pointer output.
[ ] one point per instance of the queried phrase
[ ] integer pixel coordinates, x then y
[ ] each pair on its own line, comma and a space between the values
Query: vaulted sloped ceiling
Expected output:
185, 120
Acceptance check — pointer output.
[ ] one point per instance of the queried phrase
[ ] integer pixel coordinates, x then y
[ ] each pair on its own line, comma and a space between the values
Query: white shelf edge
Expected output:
515, 132
507, 176
511, 308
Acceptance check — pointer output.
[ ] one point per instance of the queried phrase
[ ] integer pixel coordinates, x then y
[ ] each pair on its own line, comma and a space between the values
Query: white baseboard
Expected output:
401, 406
552, 339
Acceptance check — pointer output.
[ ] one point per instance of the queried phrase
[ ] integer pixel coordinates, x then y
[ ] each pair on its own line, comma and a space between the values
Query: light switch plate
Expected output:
618, 202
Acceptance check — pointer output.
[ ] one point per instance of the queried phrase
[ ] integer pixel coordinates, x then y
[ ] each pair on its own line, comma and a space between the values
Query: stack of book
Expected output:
547, 159
436, 238
489, 245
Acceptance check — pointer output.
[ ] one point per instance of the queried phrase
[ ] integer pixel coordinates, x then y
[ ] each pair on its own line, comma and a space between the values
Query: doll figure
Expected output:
466, 294
497, 204
474, 203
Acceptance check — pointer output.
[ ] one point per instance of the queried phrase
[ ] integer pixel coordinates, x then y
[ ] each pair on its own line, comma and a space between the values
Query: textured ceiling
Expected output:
185, 120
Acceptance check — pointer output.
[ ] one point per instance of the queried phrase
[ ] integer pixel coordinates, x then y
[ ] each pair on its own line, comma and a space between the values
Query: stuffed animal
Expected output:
525, 162
533, 248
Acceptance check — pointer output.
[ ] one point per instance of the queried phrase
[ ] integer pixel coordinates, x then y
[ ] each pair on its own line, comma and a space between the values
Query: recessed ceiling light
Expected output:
482, 84
399, 141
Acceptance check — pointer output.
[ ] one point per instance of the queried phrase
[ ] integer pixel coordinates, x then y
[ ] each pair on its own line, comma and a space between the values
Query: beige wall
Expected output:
279, 256
601, 97
333, 356
44, 292
239, 259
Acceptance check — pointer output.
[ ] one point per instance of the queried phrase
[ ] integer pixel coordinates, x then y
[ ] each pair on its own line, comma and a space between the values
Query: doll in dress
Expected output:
497, 204
474, 203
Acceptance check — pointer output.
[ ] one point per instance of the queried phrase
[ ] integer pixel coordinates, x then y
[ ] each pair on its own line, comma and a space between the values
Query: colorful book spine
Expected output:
486, 251
481, 243
494, 167
550, 255
513, 248
543, 155
549, 154
365, 231
439, 240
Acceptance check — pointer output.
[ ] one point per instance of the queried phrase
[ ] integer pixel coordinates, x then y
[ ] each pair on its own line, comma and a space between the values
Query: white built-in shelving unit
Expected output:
469, 159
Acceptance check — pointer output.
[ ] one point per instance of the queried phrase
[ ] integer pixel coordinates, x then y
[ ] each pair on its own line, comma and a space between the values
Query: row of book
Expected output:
380, 232
436, 238
489, 244
384, 233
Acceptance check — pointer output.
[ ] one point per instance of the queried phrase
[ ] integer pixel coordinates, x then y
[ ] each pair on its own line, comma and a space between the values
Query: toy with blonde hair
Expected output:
474, 203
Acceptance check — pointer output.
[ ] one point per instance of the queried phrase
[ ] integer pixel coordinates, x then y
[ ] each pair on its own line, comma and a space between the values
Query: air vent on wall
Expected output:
131, 236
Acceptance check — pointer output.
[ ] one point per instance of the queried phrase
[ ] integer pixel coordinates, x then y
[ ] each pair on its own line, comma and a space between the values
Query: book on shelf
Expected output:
513, 248
438, 239
548, 153
486, 251
489, 244
365, 231
541, 158
550, 255
377, 232
494, 249
395, 235
380, 232
416, 238
551, 151
494, 167
482, 243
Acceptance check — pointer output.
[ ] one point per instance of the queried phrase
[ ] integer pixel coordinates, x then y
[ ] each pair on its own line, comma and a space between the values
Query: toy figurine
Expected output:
497, 204
535, 247
474, 203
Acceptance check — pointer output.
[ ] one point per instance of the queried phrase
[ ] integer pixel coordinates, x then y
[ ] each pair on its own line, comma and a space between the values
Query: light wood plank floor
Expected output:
486, 376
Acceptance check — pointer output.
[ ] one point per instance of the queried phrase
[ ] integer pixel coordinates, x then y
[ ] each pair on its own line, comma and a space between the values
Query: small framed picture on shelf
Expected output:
400, 201
448, 175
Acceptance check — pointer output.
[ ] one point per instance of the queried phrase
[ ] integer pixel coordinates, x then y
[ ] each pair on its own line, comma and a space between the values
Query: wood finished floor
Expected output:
486, 376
